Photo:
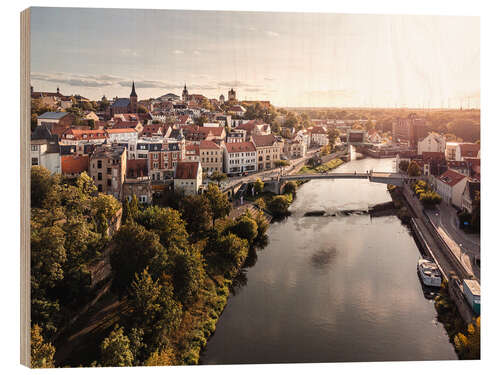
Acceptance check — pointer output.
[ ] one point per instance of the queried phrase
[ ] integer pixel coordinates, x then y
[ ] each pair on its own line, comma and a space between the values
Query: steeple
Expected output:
133, 90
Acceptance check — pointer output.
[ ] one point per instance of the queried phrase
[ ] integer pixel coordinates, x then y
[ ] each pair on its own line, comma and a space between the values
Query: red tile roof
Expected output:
120, 130
187, 170
433, 156
125, 124
264, 140
209, 145
318, 130
451, 178
240, 147
137, 168
73, 164
469, 149
84, 134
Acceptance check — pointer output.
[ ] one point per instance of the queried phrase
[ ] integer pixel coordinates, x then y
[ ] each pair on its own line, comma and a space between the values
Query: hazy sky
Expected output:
292, 59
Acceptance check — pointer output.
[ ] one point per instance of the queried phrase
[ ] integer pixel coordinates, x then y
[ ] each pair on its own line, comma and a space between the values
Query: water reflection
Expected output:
322, 258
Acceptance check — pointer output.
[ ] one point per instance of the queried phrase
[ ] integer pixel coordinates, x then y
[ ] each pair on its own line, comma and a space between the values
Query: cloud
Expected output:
272, 34
78, 80
128, 52
236, 83
196, 52
268, 79
177, 52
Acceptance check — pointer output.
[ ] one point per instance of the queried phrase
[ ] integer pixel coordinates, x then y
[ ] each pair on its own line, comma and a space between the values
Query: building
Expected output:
211, 157
237, 110
450, 185
221, 99
240, 157
319, 136
122, 135
231, 95
45, 150
356, 136
254, 127
409, 130
188, 177
269, 151
57, 121
236, 135
457, 151
108, 166
137, 181
80, 136
432, 143
125, 105
294, 149
73, 165
472, 189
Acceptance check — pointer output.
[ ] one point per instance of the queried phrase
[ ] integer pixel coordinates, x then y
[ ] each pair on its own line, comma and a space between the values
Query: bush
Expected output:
278, 206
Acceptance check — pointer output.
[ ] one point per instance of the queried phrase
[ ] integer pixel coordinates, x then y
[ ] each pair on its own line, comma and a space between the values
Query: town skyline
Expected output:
352, 61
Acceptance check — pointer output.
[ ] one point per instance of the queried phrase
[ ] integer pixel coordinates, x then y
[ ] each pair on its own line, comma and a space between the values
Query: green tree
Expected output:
188, 274
155, 310
245, 227
278, 206
197, 213
414, 170
227, 253
136, 248
219, 204
42, 181
218, 177
42, 353
258, 186
290, 188
468, 345
281, 163
403, 165
115, 349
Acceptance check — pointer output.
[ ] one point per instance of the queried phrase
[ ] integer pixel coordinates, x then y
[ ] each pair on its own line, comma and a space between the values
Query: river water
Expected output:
332, 289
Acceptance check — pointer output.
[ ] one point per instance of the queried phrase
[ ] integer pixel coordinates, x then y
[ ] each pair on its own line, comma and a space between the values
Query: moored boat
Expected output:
429, 272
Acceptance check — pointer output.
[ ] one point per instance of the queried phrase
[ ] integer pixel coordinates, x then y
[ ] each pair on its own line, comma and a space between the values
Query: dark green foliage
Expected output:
290, 188
245, 227
278, 206
219, 204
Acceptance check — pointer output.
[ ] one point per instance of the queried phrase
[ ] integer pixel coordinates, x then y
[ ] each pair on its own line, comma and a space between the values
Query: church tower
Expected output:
185, 94
231, 95
133, 99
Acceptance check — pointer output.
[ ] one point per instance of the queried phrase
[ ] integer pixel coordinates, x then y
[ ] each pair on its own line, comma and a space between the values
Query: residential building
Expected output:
240, 157
432, 143
269, 151
137, 181
78, 136
211, 156
472, 188
57, 121
122, 135
44, 149
236, 135
294, 149
450, 185
188, 177
457, 151
409, 130
108, 166
73, 165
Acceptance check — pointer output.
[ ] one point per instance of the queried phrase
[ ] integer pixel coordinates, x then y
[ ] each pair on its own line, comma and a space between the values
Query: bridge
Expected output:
380, 177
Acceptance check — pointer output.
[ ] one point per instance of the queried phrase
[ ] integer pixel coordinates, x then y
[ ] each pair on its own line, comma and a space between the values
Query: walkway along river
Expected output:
332, 289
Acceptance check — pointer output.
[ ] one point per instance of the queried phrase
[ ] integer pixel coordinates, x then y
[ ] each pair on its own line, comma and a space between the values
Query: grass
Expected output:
332, 164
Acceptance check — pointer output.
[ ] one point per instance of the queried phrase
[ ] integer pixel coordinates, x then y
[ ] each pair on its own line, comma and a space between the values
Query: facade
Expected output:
450, 185
137, 181
108, 166
236, 135
211, 157
432, 143
74, 165
295, 149
122, 135
319, 136
240, 157
409, 130
45, 150
57, 121
269, 150
78, 136
469, 195
356, 136
458, 151
188, 177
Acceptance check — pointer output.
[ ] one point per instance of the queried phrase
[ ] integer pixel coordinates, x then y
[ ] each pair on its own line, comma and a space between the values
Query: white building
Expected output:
432, 143
122, 135
188, 177
458, 151
240, 157
319, 136
44, 150
450, 185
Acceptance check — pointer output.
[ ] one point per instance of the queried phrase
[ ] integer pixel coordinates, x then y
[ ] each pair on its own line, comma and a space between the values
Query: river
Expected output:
332, 289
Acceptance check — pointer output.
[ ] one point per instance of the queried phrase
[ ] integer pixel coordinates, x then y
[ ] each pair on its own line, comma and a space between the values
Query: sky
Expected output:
291, 59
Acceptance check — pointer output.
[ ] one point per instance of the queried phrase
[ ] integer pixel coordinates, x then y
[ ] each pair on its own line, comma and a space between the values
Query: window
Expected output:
99, 176
109, 182
34, 147
99, 164
99, 188
34, 161
108, 171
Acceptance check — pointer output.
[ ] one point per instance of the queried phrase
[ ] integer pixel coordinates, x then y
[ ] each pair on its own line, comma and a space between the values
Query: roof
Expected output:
433, 156
53, 115
469, 149
120, 130
121, 102
318, 130
240, 147
125, 124
84, 134
264, 140
137, 168
106, 151
209, 145
73, 164
187, 170
451, 178
43, 132
133, 90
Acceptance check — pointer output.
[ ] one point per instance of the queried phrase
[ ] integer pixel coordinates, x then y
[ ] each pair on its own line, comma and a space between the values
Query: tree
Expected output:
278, 206
281, 163
414, 170
468, 345
115, 349
219, 204
245, 227
167, 223
188, 274
42, 181
136, 248
218, 177
262, 225
258, 186
196, 211
403, 165
290, 188
155, 310
227, 252
42, 353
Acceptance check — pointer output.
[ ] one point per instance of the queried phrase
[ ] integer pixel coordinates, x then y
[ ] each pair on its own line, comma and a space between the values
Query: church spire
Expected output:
133, 90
